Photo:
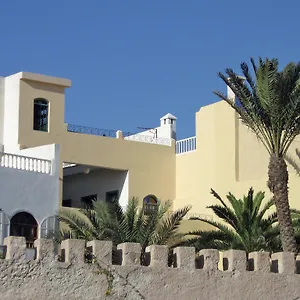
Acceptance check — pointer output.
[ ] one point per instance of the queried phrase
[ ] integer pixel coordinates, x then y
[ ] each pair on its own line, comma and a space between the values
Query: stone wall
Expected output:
45, 277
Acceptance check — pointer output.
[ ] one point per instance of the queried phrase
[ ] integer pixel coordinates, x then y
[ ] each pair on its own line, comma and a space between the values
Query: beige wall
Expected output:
228, 158
151, 167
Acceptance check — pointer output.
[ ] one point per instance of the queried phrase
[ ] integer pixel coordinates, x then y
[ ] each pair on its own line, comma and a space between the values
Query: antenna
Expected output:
152, 130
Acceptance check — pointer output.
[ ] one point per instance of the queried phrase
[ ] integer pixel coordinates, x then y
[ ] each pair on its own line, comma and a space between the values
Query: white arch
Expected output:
4, 226
48, 225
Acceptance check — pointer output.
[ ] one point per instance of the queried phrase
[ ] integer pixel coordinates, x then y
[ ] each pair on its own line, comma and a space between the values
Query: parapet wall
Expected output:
261, 276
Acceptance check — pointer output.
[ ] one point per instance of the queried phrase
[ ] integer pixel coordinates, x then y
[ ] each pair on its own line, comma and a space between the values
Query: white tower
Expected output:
168, 126
230, 93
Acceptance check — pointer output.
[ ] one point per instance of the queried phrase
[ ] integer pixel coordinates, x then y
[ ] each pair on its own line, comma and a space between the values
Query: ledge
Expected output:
45, 79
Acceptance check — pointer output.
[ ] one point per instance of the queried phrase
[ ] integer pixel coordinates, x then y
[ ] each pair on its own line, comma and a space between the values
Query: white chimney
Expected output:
168, 126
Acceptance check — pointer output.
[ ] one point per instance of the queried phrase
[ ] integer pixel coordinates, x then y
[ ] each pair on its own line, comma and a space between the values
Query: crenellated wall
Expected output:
259, 277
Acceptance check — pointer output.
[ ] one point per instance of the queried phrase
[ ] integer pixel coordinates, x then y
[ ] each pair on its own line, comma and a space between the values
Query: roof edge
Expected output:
64, 82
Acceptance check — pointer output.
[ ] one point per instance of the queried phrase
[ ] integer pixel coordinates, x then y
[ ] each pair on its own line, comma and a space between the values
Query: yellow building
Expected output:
222, 155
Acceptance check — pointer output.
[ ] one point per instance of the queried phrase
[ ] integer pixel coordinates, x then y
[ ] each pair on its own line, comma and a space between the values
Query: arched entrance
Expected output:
24, 224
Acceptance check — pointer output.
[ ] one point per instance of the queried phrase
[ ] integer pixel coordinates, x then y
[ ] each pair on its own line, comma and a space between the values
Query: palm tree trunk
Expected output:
278, 185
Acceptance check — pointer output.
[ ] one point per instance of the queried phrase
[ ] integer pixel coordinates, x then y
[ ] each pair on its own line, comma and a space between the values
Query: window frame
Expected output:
41, 114
149, 208
109, 193
87, 201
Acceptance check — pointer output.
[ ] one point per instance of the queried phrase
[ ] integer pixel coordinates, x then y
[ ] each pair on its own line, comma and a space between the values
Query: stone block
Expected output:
15, 248
209, 259
234, 260
73, 250
158, 255
44, 249
259, 261
184, 257
101, 251
130, 254
283, 262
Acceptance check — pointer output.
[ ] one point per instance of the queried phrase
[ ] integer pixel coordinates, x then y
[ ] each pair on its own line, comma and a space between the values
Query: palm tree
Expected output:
108, 221
270, 107
246, 224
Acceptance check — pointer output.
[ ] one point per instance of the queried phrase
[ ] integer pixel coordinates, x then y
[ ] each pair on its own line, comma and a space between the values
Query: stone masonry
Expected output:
43, 276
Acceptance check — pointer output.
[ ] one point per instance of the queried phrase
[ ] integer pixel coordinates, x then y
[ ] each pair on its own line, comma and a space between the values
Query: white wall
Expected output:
2, 83
11, 113
50, 151
33, 192
124, 193
97, 182
27, 191
164, 131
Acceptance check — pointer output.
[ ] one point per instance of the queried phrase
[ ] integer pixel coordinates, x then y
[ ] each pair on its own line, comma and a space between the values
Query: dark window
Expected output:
112, 196
40, 115
67, 203
150, 204
24, 224
87, 201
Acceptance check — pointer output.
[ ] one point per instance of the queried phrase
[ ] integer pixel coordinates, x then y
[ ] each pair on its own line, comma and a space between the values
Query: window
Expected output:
40, 115
112, 196
67, 203
150, 204
87, 201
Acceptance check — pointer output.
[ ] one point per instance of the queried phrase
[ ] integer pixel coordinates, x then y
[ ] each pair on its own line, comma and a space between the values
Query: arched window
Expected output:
40, 114
24, 224
49, 227
150, 204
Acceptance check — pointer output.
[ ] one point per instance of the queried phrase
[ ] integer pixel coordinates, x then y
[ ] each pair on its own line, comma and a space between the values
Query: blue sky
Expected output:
132, 61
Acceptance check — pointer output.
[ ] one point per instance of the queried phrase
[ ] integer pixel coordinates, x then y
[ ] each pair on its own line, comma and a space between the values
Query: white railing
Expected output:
186, 145
149, 139
25, 163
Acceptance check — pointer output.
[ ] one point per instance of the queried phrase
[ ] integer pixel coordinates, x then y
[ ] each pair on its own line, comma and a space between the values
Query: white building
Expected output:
29, 184
45, 163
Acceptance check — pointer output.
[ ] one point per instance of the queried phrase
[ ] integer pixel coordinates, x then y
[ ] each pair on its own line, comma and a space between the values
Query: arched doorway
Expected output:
24, 224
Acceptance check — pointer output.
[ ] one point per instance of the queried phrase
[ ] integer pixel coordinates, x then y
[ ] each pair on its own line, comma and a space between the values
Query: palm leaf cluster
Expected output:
108, 221
270, 105
245, 224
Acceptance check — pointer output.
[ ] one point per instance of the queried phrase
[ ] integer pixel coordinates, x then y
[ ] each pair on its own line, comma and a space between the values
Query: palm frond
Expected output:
245, 224
80, 226
166, 229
